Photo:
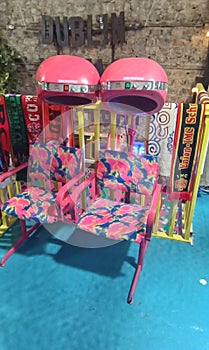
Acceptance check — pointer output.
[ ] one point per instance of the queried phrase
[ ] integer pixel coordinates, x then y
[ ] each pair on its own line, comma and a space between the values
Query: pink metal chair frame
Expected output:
59, 212
90, 188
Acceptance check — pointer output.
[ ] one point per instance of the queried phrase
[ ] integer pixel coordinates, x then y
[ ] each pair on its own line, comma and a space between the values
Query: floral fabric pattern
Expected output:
48, 163
32, 204
127, 171
40, 159
115, 220
66, 163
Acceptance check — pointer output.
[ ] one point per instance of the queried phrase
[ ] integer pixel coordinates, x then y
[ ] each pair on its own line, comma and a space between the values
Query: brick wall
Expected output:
171, 32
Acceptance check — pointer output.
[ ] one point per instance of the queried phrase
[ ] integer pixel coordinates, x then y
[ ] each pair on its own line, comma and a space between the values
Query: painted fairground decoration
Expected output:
76, 31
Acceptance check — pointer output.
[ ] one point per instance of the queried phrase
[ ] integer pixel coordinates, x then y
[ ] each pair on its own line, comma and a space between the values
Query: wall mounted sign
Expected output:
76, 32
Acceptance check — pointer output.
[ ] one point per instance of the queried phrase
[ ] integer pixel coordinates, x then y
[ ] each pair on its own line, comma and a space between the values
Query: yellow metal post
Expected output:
198, 175
113, 131
112, 142
82, 146
96, 133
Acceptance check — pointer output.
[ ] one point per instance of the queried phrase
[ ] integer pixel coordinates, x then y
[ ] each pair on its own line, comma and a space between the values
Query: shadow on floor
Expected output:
104, 260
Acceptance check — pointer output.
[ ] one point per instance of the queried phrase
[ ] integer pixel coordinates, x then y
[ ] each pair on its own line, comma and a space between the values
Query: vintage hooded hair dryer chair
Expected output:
134, 86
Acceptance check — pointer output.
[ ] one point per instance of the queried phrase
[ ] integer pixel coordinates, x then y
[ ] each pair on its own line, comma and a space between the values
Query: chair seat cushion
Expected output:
32, 204
115, 220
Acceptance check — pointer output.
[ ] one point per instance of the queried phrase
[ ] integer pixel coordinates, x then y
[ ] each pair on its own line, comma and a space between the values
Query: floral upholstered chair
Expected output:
126, 202
52, 170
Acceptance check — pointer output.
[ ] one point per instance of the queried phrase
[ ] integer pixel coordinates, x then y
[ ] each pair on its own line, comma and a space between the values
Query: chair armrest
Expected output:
70, 184
88, 180
153, 209
13, 171
75, 187
67, 201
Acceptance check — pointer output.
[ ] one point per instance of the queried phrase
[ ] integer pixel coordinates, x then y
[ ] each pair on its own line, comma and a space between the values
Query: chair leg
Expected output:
141, 255
23, 238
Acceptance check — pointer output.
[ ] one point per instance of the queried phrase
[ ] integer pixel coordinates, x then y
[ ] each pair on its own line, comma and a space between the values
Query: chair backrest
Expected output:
127, 171
53, 163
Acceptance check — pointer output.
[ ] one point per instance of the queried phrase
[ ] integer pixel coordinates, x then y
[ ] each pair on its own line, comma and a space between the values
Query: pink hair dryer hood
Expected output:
67, 80
135, 85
